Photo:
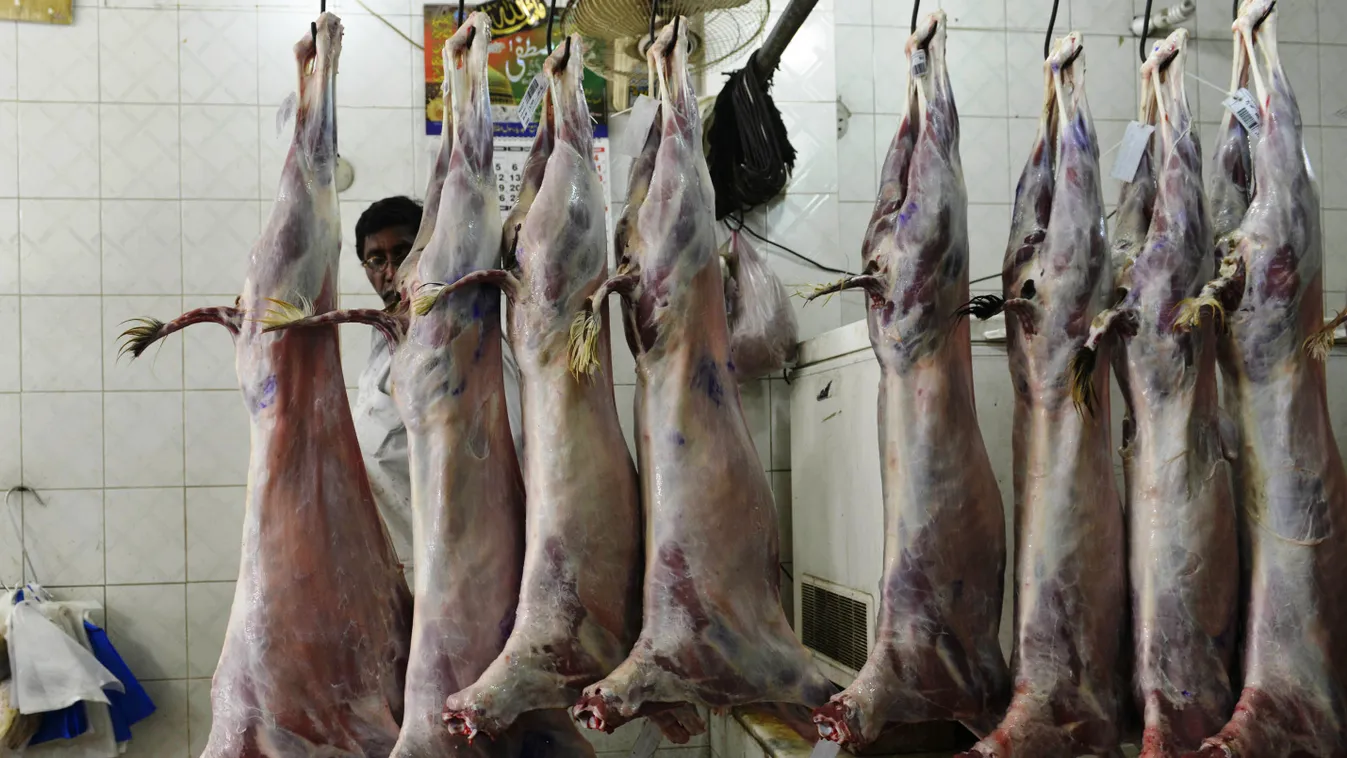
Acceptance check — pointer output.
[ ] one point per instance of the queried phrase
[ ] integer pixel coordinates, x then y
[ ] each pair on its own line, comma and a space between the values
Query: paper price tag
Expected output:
1129, 152
533, 96
639, 123
1245, 108
825, 749
648, 741
919, 63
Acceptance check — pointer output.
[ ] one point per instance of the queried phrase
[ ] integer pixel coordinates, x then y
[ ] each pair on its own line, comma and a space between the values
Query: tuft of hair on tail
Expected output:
1082, 380
1318, 345
981, 307
137, 339
583, 344
282, 313
421, 304
1190, 311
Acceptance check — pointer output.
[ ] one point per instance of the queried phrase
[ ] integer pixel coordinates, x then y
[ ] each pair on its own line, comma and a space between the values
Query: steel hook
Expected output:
551, 16
1052, 24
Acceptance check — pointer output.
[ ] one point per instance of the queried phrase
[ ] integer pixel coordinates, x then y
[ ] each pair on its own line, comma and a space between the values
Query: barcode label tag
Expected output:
286, 111
1245, 108
528, 104
648, 741
919, 63
825, 749
1130, 151
639, 123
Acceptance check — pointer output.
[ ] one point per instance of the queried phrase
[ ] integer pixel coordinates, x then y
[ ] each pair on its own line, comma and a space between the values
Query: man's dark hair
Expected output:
399, 211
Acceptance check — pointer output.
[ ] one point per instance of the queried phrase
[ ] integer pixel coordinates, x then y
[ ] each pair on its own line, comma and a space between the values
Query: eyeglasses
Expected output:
375, 261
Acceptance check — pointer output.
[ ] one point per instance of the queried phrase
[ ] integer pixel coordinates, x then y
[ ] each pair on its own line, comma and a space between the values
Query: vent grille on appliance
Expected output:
834, 625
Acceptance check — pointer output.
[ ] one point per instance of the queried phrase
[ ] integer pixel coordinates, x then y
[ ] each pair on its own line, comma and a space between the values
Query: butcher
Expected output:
383, 238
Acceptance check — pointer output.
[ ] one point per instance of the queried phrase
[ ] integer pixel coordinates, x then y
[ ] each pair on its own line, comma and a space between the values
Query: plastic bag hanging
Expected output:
763, 331
51, 670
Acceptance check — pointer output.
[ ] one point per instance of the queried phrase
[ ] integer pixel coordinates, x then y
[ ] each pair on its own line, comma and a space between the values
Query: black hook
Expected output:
1234, 10
313, 29
565, 56
322, 6
1052, 24
1145, 30
916, 6
460, 12
551, 16
673, 42
654, 9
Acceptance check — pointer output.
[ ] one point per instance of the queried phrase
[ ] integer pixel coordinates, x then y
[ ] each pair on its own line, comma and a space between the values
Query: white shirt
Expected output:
383, 440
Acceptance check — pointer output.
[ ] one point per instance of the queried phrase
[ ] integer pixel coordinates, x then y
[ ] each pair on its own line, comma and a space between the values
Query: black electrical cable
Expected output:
916, 6
1145, 30
1052, 24
743, 227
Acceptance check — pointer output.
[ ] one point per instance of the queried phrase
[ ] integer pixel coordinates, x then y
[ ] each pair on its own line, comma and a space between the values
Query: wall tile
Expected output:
1332, 170
217, 239
9, 60
142, 247
144, 532
160, 368
62, 439
756, 402
356, 339
988, 230
1100, 17
1211, 59
11, 345
143, 439
808, 72
857, 168
198, 715
977, 72
1024, 58
75, 360
64, 536
216, 425
853, 219
1332, 21
853, 12
893, 13
59, 246
889, 72
277, 71
813, 134
11, 470
139, 151
1335, 257
208, 352
808, 221
208, 606
218, 56
377, 72
977, 14
219, 151
58, 147
11, 522
60, 62
214, 529
378, 143
164, 734
983, 146
855, 53
780, 418
1033, 17
625, 397
1112, 70
148, 625
1301, 63
9, 149
138, 55
1333, 84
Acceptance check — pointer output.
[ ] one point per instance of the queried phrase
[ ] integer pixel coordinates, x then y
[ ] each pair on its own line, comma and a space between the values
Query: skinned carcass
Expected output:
1069, 580
936, 653
317, 643
713, 630
1293, 487
579, 606
764, 337
1182, 530
467, 492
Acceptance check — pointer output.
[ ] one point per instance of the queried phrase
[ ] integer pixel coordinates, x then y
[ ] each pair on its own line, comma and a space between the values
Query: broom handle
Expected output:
768, 56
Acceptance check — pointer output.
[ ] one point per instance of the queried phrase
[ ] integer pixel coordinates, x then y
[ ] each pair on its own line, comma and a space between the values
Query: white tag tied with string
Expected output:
825, 749
919, 63
639, 123
648, 741
286, 111
1245, 107
528, 104
1130, 150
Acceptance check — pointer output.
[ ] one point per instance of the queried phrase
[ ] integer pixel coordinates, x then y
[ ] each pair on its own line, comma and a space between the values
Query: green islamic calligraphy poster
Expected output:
518, 49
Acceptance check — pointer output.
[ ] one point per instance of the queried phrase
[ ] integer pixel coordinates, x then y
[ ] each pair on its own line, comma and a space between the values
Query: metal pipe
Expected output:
768, 57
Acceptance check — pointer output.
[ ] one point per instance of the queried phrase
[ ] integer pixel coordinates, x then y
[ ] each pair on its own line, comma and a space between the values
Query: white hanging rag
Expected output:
99, 741
51, 669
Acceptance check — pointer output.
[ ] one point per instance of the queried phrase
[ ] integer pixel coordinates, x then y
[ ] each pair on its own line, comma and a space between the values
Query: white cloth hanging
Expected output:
50, 667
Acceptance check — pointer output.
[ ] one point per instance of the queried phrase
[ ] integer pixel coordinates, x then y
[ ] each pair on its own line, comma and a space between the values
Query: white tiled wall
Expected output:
138, 156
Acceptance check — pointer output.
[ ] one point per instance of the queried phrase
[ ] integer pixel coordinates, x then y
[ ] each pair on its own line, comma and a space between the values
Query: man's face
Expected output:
383, 254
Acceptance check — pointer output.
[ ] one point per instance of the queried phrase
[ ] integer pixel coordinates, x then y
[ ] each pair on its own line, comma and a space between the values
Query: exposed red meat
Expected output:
936, 653
317, 643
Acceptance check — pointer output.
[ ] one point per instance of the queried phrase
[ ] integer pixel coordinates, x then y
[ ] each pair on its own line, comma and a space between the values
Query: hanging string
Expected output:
1052, 24
916, 6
